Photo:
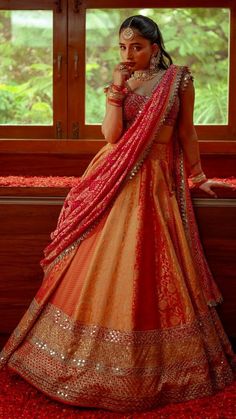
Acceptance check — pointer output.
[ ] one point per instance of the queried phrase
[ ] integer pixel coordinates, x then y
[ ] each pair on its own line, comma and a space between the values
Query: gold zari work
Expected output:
92, 365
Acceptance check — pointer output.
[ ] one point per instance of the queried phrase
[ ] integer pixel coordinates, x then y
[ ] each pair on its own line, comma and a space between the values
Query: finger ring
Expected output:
122, 67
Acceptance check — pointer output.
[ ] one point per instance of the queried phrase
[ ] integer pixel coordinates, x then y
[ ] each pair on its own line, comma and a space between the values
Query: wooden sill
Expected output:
83, 146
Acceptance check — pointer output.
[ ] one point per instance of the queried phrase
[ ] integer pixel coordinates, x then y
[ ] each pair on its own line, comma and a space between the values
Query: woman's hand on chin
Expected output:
209, 184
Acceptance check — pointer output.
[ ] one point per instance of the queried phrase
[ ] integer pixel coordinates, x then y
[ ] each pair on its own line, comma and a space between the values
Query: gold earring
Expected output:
155, 61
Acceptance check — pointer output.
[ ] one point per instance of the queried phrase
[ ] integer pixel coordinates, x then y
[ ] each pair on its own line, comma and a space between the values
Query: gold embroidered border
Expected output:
124, 370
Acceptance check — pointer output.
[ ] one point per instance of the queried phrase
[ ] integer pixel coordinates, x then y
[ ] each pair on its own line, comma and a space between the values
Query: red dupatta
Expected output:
95, 193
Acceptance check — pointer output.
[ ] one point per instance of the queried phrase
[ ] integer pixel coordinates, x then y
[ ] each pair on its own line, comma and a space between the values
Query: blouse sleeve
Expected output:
186, 76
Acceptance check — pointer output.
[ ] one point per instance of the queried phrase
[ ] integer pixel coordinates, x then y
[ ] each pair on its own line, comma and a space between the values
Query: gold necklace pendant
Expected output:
144, 74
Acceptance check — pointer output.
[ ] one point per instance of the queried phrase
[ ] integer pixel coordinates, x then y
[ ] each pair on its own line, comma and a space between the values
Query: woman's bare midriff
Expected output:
164, 135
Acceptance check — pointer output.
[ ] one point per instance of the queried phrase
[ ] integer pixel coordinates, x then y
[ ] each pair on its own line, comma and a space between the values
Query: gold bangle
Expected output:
115, 95
198, 178
113, 89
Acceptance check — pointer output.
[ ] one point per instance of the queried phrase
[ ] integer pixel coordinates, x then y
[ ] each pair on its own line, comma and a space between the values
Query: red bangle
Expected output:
115, 102
120, 89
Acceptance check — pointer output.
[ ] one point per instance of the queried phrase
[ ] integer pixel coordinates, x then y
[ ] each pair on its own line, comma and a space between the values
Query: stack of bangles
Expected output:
116, 94
198, 179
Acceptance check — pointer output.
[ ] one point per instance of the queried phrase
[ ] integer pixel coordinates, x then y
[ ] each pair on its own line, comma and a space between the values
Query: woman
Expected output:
125, 317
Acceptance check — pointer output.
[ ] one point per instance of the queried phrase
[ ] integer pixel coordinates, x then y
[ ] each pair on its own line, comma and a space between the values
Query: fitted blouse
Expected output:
134, 102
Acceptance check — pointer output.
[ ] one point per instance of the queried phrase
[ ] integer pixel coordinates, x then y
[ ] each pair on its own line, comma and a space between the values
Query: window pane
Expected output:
196, 37
26, 67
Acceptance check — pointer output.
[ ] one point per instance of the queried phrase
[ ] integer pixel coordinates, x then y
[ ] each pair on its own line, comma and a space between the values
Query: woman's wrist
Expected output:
198, 179
115, 102
115, 94
118, 87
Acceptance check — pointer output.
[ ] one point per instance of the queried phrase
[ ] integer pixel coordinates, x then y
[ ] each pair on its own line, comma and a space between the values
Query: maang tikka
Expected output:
128, 33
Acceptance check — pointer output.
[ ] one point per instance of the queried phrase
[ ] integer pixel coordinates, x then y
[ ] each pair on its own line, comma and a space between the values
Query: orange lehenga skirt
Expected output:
122, 322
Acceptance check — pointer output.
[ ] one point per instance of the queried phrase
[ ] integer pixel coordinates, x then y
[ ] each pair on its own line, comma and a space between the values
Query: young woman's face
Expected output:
137, 51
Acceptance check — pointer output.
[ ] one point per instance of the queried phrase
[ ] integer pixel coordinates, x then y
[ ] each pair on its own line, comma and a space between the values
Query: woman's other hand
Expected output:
209, 184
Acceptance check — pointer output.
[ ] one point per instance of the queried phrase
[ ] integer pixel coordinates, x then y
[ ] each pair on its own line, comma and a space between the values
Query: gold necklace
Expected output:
144, 75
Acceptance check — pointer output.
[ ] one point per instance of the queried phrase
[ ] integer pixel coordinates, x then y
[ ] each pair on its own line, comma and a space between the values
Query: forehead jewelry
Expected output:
128, 33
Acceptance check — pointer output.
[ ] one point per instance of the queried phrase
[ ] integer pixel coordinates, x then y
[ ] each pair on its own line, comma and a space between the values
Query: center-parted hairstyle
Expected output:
148, 29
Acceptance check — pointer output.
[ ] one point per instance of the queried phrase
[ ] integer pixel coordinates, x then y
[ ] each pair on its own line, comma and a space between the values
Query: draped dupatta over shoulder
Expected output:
95, 193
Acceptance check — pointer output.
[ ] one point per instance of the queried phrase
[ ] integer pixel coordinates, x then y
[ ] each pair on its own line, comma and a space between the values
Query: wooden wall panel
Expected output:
25, 229
74, 165
217, 228
70, 158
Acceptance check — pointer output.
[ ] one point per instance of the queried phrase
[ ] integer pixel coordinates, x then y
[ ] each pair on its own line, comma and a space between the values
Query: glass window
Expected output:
26, 81
197, 37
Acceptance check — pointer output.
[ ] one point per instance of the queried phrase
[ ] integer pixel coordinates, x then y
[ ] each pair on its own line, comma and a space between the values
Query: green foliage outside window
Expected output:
26, 67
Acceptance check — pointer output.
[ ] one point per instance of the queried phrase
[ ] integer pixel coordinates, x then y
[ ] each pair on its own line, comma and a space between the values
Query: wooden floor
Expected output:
28, 215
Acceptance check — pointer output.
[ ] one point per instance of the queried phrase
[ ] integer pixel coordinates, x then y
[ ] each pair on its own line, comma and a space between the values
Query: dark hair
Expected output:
149, 30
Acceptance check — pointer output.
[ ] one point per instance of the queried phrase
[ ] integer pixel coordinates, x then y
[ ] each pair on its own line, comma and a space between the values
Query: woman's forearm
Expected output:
191, 152
112, 125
